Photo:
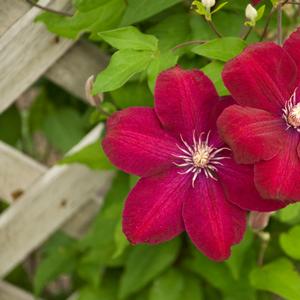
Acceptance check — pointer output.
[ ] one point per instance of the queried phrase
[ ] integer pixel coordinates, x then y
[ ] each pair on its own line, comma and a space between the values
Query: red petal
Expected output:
153, 210
212, 223
292, 46
278, 178
136, 143
238, 184
252, 134
184, 100
255, 2
263, 76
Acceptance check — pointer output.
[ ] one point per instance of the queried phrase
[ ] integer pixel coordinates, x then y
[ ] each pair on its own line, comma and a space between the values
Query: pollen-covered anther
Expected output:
291, 112
294, 116
200, 157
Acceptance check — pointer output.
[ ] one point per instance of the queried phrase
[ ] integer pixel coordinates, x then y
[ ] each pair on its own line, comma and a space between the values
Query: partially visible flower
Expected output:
251, 13
190, 181
264, 127
255, 2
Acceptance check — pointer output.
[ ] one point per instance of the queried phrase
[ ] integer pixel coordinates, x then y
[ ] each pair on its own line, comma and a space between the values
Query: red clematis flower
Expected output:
255, 2
189, 179
264, 128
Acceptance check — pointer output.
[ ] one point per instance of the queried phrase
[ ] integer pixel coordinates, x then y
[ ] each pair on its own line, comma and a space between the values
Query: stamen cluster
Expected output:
291, 113
201, 156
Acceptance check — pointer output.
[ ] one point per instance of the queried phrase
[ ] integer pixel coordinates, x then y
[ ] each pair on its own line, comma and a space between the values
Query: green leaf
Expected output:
171, 31
120, 240
129, 38
60, 259
139, 10
238, 255
219, 7
278, 277
220, 277
10, 122
123, 65
87, 5
145, 263
133, 94
64, 128
162, 62
192, 289
290, 242
168, 286
92, 156
289, 214
93, 18
214, 71
260, 13
222, 49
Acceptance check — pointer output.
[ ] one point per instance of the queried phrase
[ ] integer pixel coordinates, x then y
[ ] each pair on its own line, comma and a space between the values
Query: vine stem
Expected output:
279, 24
188, 43
247, 32
213, 28
265, 31
61, 13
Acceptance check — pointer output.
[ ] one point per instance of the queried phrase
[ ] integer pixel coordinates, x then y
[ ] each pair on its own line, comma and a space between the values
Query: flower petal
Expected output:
292, 46
252, 134
184, 100
238, 184
212, 223
263, 76
153, 210
136, 143
278, 178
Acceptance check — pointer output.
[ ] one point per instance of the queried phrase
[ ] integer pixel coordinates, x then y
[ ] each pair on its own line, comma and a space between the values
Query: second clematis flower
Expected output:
189, 180
264, 126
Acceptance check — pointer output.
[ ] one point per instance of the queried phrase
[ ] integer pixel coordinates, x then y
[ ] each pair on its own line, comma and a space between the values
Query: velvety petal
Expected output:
184, 100
238, 184
278, 178
212, 223
252, 134
292, 46
153, 210
255, 2
263, 76
136, 143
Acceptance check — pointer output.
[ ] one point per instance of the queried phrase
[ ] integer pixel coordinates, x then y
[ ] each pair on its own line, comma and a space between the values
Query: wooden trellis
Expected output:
51, 198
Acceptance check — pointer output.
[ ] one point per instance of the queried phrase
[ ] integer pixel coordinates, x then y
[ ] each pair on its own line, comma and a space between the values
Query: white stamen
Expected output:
291, 112
200, 156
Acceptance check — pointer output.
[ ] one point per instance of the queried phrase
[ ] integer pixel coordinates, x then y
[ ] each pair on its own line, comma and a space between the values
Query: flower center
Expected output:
291, 113
294, 116
199, 157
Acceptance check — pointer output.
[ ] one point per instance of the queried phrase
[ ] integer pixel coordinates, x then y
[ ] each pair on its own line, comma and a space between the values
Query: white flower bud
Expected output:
251, 13
208, 3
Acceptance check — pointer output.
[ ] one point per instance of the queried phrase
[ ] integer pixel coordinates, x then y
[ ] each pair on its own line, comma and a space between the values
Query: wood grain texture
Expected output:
27, 50
45, 207
10, 292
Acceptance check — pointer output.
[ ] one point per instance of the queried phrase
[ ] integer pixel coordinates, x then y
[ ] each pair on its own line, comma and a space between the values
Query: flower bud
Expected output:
259, 220
93, 100
251, 13
208, 3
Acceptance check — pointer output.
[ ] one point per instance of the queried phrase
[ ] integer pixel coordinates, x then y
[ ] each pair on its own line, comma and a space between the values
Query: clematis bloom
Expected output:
189, 180
264, 126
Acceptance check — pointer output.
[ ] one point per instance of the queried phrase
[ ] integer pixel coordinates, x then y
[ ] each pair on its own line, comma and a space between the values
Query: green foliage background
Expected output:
140, 36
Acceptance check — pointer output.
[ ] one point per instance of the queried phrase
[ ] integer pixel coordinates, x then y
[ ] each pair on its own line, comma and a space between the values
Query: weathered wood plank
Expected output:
73, 69
27, 50
45, 207
10, 292
17, 172
10, 12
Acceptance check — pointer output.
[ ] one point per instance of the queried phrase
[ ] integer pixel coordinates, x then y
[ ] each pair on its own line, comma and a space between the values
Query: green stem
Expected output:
61, 13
